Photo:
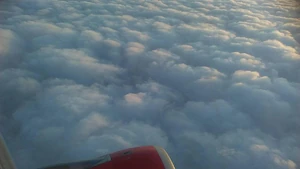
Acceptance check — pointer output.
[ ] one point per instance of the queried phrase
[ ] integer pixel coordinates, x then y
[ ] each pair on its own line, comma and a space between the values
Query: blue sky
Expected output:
216, 83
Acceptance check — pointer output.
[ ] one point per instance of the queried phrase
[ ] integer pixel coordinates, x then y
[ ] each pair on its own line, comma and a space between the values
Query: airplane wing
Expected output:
143, 157
6, 161
146, 157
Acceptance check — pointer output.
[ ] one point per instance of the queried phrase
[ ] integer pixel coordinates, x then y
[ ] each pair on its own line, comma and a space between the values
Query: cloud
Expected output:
134, 48
215, 83
74, 64
10, 48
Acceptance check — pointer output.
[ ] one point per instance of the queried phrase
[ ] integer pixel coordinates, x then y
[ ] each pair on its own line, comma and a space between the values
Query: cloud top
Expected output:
215, 83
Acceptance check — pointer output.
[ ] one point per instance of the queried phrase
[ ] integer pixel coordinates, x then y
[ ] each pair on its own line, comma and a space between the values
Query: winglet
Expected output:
6, 161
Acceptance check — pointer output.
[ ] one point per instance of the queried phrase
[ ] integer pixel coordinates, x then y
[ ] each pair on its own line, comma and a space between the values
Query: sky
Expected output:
216, 83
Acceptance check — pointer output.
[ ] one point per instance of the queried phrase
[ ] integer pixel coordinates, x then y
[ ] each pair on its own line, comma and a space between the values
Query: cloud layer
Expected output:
217, 84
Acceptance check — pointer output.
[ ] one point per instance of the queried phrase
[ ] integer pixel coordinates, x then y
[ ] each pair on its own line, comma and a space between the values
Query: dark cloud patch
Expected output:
215, 83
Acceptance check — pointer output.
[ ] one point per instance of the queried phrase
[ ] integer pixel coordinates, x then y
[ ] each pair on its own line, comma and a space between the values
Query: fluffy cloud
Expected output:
10, 48
215, 83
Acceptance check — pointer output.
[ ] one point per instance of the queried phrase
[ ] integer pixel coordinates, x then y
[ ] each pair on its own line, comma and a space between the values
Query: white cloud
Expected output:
134, 98
162, 26
258, 147
72, 63
134, 48
10, 48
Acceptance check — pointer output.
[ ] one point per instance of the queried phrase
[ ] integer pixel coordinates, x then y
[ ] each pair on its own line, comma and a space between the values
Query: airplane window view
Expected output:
185, 84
